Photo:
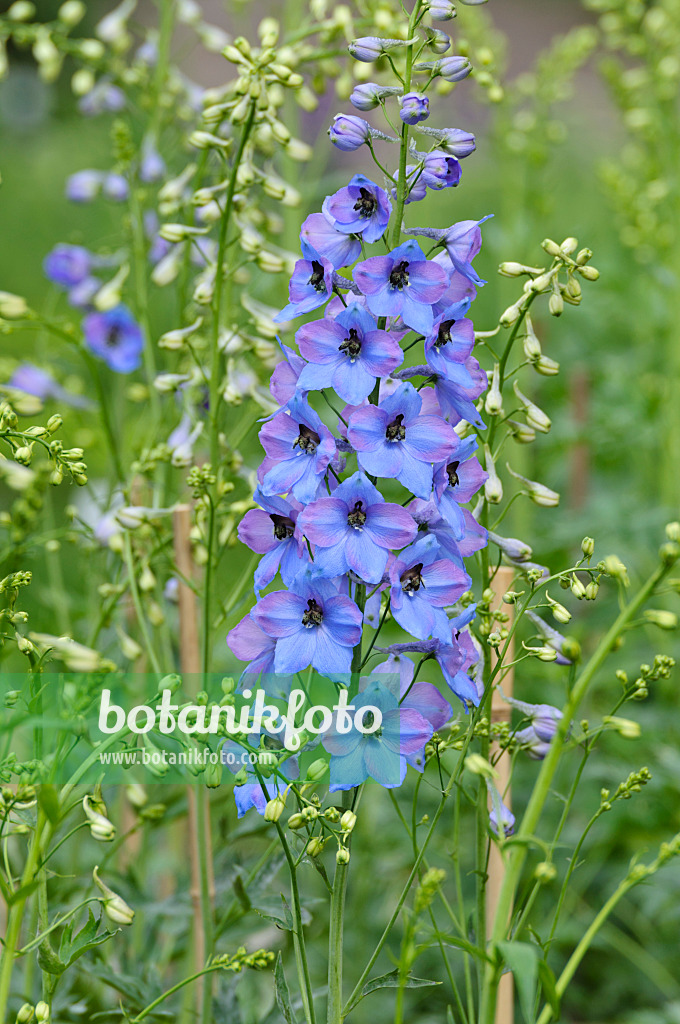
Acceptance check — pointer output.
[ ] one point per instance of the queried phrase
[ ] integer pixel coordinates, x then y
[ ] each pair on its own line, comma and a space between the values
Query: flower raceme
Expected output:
348, 546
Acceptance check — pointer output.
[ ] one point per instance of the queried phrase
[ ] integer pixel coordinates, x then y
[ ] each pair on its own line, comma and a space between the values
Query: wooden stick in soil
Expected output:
500, 712
190, 664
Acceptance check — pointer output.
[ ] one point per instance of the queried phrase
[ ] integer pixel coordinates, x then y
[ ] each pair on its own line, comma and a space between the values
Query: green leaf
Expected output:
522, 959
72, 948
282, 993
392, 980
547, 977
48, 959
48, 798
459, 943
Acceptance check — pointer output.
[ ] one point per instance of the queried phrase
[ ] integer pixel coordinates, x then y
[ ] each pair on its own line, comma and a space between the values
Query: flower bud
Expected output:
21, 10
592, 589
521, 432
441, 10
115, 907
100, 827
660, 618
539, 493
25, 1014
590, 273
349, 132
71, 13
560, 613
493, 402
317, 770
547, 367
673, 531
545, 872
342, 856
315, 846
453, 69
556, 304
577, 587
369, 48
42, 1012
588, 546
12, 307
536, 418
624, 726
347, 821
275, 808
552, 248
510, 315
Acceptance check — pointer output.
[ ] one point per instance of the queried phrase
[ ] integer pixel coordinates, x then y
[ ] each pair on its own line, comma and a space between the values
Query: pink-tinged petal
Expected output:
475, 536
279, 435
381, 353
280, 614
405, 730
284, 475
431, 439
256, 531
428, 701
430, 402
294, 653
343, 618
444, 582
366, 429
390, 526
373, 274
427, 281
248, 641
319, 341
324, 521
471, 476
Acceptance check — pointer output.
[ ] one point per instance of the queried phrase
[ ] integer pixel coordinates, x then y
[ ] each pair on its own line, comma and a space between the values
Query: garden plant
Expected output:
294, 727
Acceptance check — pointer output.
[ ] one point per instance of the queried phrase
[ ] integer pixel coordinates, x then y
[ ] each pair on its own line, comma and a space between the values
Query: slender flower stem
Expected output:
215, 381
298, 934
402, 183
518, 851
335, 944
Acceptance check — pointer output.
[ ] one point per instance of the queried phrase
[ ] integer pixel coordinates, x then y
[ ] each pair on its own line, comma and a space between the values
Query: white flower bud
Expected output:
71, 13
173, 190
174, 340
493, 402
536, 418
167, 268
109, 295
115, 907
539, 493
100, 827
12, 307
112, 28
180, 232
275, 808
82, 82
493, 488
547, 367
347, 821
21, 10
42, 1012
206, 140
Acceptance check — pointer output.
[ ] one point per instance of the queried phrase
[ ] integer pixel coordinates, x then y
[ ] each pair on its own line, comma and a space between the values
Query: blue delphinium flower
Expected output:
456, 481
440, 170
84, 186
347, 354
421, 697
115, 187
33, 380
403, 283
414, 107
393, 439
312, 623
447, 350
250, 643
152, 165
349, 132
116, 337
299, 448
67, 265
339, 248
273, 531
310, 285
381, 755
361, 208
355, 528
422, 585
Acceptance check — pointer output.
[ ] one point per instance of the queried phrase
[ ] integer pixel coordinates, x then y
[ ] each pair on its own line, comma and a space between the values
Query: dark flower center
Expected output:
112, 337
308, 440
283, 526
368, 719
313, 615
317, 279
365, 204
412, 580
351, 345
444, 334
399, 275
357, 516
452, 472
395, 430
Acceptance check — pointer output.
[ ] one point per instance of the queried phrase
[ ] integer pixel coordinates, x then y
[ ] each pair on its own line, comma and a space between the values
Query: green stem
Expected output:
403, 149
15, 917
335, 944
298, 935
522, 841
175, 988
215, 380
137, 602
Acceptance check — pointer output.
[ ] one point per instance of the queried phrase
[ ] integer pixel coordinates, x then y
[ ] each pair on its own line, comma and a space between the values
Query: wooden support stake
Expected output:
500, 712
190, 664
